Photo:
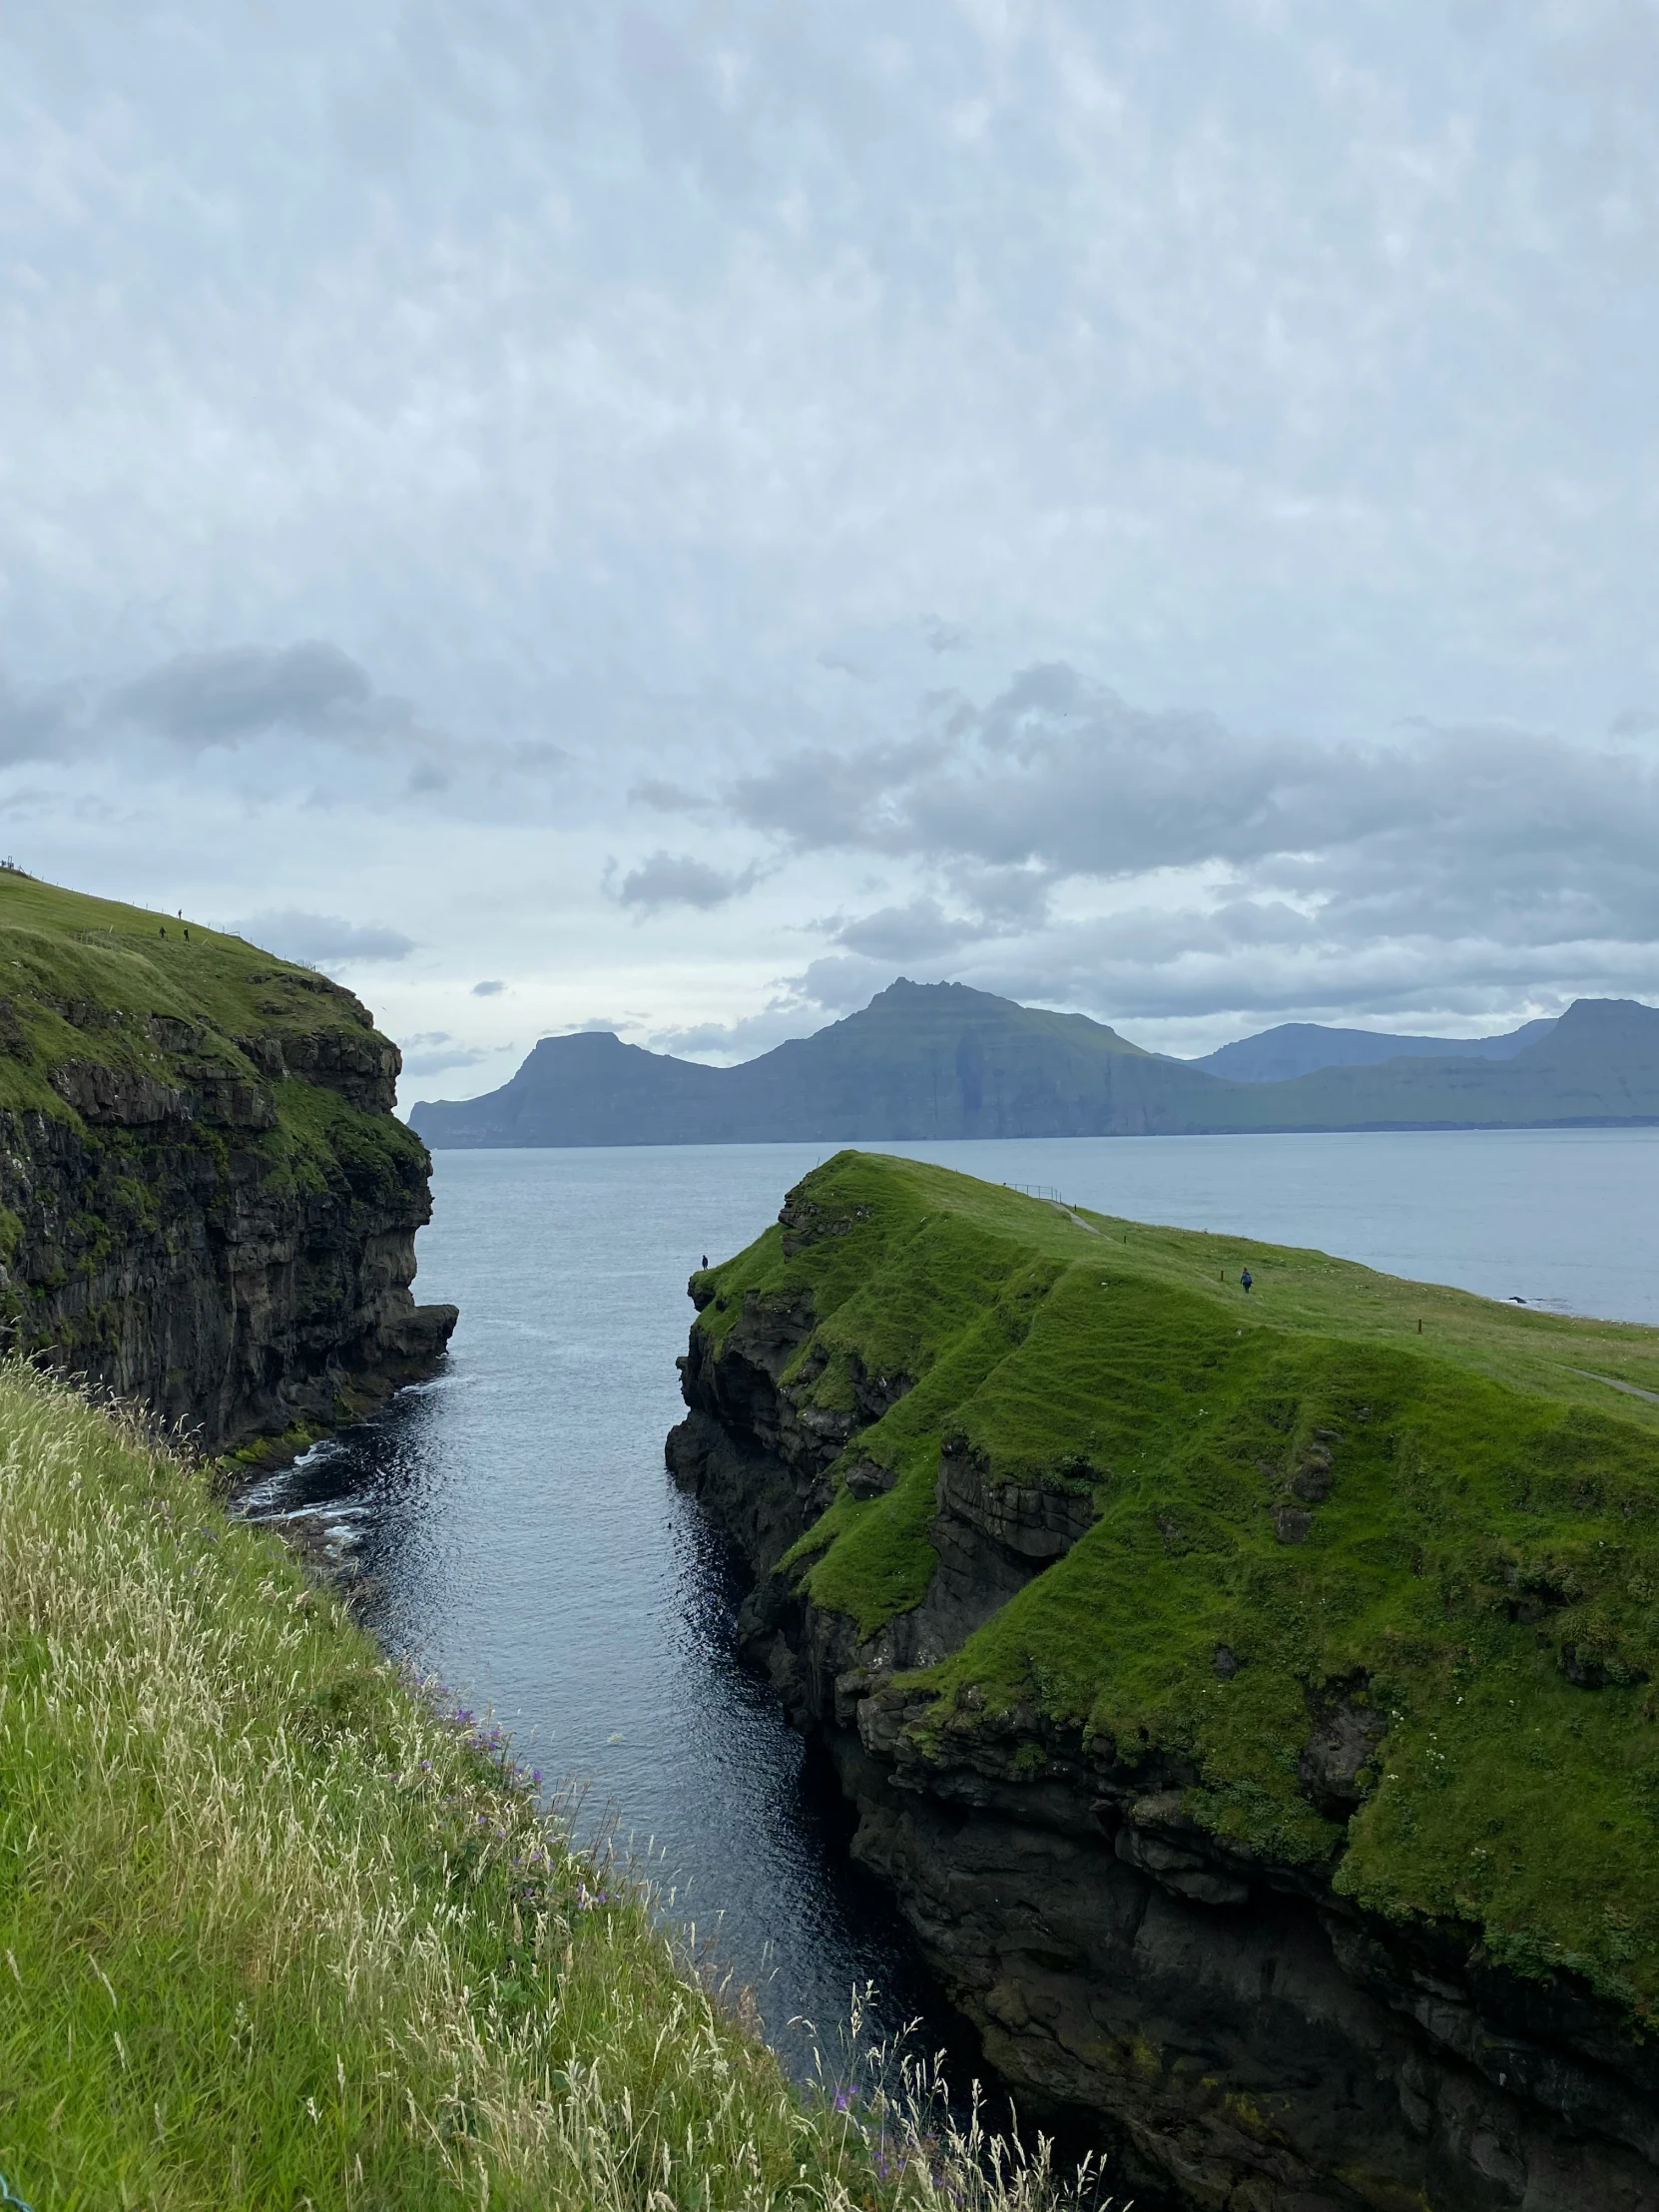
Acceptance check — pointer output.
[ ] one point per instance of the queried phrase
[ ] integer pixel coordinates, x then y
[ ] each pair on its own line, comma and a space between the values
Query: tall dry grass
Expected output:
275, 1932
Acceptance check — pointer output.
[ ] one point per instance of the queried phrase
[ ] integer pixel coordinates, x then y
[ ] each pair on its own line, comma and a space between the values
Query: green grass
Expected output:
274, 1934
1492, 1527
86, 982
78, 975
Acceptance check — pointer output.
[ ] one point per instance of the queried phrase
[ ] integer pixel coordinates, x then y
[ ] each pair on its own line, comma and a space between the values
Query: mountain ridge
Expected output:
1303, 1047
930, 1061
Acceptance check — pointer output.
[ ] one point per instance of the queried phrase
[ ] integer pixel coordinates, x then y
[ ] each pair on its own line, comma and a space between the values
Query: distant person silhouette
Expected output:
1244, 1279
705, 1259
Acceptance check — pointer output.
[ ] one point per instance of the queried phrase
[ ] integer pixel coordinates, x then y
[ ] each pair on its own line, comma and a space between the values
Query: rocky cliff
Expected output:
206, 1200
1265, 1766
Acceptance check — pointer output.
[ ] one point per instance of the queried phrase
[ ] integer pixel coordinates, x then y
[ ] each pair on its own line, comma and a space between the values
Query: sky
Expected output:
668, 514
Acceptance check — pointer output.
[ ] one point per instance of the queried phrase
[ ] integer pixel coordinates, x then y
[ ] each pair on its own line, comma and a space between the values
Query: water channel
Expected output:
516, 1535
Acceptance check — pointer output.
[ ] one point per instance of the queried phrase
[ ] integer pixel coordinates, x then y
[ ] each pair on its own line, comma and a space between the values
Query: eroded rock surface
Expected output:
164, 1243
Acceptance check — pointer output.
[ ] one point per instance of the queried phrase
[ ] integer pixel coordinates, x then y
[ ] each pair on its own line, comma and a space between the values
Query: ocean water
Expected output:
519, 1539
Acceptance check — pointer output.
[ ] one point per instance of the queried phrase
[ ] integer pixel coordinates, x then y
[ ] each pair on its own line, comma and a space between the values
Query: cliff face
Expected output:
206, 1200
1253, 2030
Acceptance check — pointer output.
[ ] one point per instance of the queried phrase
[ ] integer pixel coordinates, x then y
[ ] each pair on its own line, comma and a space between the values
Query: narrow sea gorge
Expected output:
512, 1530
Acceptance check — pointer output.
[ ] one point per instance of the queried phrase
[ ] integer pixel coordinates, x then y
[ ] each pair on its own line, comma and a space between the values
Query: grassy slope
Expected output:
1490, 1509
63, 946
272, 1934
61, 949
78, 978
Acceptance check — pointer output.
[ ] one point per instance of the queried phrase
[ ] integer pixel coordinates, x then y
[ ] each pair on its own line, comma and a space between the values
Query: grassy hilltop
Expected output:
89, 983
1301, 1499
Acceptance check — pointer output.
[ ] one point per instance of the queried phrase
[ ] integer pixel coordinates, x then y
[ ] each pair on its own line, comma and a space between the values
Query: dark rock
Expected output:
804, 1221
1311, 1479
121, 1098
875, 1395
1340, 1743
14, 1041
168, 1254
1248, 2039
868, 1478
1594, 1670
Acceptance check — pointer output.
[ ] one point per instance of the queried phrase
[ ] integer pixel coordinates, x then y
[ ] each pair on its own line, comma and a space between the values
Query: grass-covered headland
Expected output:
1341, 1514
96, 996
207, 1202
275, 1932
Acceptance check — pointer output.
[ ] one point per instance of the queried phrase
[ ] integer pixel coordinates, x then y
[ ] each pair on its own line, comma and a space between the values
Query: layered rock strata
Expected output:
218, 1222
1249, 2040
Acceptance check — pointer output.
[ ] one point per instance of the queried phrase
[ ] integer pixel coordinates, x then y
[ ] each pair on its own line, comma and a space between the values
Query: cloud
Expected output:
677, 880
1081, 850
921, 929
724, 1042
1274, 362
322, 940
431, 1053
845, 664
34, 726
665, 798
489, 989
245, 690
842, 982
820, 797
1058, 779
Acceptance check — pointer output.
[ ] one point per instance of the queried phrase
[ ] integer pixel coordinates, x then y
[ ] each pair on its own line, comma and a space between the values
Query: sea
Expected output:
510, 1531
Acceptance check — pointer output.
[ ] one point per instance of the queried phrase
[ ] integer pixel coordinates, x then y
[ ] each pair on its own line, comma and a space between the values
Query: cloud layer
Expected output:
322, 940
700, 508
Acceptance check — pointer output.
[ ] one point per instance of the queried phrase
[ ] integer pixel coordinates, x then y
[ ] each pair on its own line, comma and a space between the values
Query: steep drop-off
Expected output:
205, 1199
1249, 1700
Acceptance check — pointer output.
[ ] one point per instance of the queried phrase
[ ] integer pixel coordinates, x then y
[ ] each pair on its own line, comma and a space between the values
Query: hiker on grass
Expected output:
1244, 1279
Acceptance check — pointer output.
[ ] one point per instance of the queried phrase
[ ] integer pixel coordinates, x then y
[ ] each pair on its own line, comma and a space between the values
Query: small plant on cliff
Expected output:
273, 1932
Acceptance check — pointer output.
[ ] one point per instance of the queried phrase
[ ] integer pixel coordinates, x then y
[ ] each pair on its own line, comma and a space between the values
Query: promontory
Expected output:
207, 1202
1248, 1695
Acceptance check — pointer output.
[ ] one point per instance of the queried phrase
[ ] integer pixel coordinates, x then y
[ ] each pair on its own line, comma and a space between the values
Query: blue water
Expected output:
519, 1538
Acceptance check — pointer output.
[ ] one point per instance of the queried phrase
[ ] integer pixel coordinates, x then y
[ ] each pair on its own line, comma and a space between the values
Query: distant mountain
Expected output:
931, 1061
1301, 1047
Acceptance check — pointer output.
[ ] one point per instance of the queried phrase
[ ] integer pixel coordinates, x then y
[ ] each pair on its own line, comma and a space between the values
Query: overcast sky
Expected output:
671, 515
